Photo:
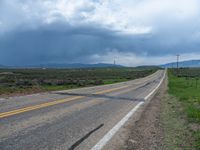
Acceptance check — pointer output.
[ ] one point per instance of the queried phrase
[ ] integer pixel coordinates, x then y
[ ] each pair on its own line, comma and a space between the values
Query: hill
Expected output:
183, 64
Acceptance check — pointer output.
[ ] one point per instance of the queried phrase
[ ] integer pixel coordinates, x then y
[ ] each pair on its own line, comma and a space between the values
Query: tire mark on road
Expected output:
76, 144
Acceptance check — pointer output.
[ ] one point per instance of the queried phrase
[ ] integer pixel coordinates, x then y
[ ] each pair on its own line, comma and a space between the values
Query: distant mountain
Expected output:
73, 65
2, 66
183, 64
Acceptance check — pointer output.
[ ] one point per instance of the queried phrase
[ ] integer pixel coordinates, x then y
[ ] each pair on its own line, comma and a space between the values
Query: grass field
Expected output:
37, 80
186, 87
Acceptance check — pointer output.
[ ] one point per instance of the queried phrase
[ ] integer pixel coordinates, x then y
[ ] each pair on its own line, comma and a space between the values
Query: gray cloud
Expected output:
53, 34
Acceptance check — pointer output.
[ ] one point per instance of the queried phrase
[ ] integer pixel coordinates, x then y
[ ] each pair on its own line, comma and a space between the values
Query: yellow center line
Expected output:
29, 108
111, 90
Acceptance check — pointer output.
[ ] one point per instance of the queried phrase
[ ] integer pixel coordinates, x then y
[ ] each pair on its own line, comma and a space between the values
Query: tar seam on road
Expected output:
85, 137
106, 138
43, 105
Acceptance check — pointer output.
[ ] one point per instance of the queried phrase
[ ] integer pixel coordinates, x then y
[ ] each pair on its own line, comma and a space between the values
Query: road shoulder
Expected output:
159, 124
143, 130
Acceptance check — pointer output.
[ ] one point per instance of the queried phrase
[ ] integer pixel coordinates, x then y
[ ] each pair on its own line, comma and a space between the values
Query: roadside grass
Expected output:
58, 87
19, 81
177, 135
188, 95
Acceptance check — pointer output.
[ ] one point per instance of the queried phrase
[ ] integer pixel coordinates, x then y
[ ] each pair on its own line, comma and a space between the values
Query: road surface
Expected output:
82, 118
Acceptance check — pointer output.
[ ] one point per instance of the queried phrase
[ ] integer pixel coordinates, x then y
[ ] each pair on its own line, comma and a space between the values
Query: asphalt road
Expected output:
71, 119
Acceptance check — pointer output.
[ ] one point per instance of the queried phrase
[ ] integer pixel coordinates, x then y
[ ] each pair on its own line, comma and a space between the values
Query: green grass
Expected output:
188, 93
197, 135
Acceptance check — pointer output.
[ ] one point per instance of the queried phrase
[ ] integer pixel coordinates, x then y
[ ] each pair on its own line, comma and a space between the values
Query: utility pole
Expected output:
114, 62
177, 63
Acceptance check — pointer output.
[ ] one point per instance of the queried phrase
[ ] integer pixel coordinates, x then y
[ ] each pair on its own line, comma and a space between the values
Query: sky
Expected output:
131, 32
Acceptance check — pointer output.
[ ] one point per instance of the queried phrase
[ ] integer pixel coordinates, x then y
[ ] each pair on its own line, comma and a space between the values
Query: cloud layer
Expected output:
90, 31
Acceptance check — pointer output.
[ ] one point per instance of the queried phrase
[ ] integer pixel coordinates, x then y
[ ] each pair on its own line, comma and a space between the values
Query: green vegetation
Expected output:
185, 85
36, 80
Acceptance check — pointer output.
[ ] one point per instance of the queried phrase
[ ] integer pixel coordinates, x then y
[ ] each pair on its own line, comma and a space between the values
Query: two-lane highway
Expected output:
82, 118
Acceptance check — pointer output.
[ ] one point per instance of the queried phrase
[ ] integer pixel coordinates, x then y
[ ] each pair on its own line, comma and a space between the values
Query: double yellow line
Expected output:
47, 104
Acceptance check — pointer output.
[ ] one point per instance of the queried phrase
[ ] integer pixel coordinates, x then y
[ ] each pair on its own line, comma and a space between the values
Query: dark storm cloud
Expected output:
63, 43
51, 44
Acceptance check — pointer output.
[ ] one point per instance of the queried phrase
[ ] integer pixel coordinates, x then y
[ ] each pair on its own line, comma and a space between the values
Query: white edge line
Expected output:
111, 133
114, 130
152, 92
